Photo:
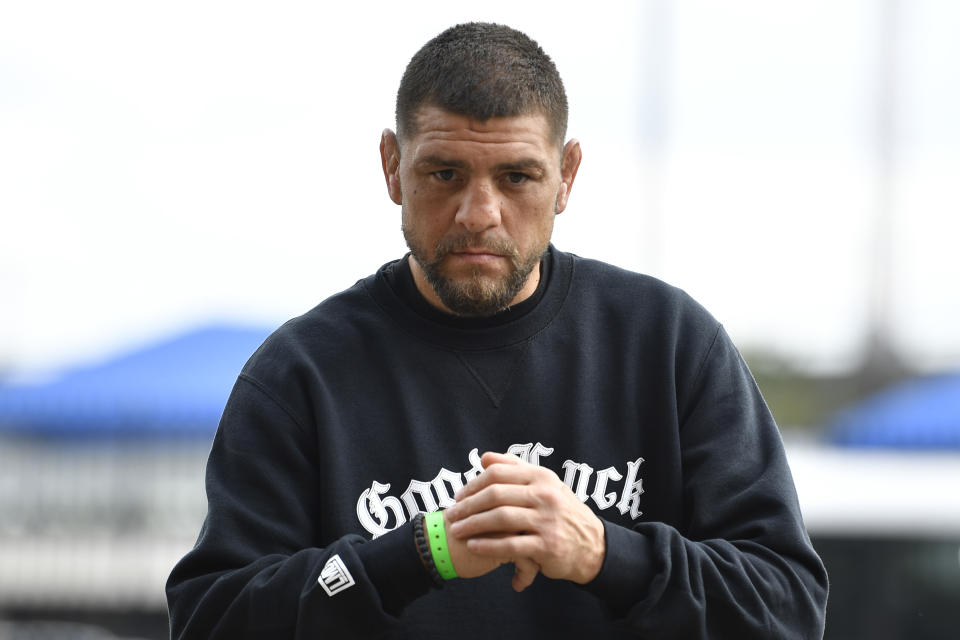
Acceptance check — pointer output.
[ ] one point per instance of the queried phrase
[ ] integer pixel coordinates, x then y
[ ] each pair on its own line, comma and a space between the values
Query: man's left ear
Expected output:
569, 164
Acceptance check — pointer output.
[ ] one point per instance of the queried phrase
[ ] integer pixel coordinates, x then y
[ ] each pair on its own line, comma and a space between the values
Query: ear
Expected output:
390, 160
569, 164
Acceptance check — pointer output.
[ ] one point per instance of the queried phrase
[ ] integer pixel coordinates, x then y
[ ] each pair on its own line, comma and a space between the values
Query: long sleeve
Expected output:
741, 564
356, 416
256, 568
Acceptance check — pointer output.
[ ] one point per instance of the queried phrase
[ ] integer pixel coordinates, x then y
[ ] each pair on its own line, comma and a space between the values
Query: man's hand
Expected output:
522, 513
466, 563
469, 564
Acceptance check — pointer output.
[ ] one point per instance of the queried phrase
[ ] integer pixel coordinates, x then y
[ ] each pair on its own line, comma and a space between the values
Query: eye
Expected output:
444, 175
515, 177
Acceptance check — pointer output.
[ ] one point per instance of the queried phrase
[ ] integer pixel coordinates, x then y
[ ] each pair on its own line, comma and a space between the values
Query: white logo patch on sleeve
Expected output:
335, 578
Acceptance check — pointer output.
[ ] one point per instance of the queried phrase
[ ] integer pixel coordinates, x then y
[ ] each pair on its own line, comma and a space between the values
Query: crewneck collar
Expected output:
395, 291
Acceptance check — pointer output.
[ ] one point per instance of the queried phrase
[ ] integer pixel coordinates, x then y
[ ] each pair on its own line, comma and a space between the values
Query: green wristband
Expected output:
437, 534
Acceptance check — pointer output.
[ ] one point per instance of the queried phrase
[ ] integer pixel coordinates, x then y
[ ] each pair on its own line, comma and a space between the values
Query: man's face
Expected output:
478, 201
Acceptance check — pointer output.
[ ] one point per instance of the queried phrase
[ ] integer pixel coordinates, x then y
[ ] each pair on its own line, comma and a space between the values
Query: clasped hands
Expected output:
522, 513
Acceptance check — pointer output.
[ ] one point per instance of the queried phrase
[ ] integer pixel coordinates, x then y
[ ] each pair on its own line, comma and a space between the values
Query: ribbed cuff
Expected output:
394, 567
622, 576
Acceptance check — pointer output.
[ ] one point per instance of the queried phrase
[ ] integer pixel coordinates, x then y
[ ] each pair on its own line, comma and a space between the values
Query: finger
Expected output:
503, 520
506, 473
498, 495
492, 457
506, 548
525, 571
487, 460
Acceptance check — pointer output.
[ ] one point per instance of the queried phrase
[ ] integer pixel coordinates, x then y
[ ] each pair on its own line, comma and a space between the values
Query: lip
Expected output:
478, 252
476, 255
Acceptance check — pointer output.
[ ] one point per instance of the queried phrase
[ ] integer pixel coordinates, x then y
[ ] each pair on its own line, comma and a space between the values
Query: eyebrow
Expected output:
434, 161
527, 164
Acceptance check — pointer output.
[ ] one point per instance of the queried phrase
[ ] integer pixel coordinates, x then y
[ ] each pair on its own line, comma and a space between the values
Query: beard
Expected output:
476, 294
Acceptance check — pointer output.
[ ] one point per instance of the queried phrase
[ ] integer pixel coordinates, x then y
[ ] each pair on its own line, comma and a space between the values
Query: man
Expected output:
591, 428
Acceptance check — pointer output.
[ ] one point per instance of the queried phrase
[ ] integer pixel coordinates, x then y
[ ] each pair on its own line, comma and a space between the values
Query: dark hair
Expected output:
482, 71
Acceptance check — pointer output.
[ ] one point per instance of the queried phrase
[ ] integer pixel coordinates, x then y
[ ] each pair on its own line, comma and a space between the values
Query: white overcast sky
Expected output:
166, 165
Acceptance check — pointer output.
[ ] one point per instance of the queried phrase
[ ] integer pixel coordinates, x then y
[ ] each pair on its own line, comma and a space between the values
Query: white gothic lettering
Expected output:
380, 512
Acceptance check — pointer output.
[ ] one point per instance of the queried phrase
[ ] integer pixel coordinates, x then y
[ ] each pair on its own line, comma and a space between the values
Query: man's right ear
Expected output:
390, 159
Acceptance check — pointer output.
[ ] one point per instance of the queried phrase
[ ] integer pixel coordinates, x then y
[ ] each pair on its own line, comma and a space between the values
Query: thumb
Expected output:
525, 571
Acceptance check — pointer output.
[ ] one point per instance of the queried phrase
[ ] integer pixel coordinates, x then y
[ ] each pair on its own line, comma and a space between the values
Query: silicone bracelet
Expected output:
438, 545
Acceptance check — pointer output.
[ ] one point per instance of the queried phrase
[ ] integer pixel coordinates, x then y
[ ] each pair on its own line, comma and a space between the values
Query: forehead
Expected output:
439, 130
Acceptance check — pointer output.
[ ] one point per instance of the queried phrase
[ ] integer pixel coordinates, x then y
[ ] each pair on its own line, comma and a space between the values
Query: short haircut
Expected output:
482, 71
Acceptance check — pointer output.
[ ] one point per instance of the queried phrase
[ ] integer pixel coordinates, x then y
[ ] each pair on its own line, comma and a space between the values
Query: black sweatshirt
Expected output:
374, 406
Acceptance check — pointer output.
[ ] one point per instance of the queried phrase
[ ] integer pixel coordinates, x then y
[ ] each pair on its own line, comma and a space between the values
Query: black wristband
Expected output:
423, 548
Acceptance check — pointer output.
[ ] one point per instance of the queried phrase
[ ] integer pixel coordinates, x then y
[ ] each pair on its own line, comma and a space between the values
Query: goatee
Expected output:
475, 295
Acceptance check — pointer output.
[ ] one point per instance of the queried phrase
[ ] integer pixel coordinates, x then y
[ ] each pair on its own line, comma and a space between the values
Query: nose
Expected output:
480, 208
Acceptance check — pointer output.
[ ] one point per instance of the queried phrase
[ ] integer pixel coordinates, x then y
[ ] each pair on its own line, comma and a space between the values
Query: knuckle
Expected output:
492, 496
549, 474
492, 474
548, 494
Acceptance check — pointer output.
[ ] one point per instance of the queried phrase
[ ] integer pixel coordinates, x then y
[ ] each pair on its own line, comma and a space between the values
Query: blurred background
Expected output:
178, 179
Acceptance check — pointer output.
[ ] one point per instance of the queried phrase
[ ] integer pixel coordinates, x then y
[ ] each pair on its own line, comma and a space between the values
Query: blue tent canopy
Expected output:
923, 413
176, 387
